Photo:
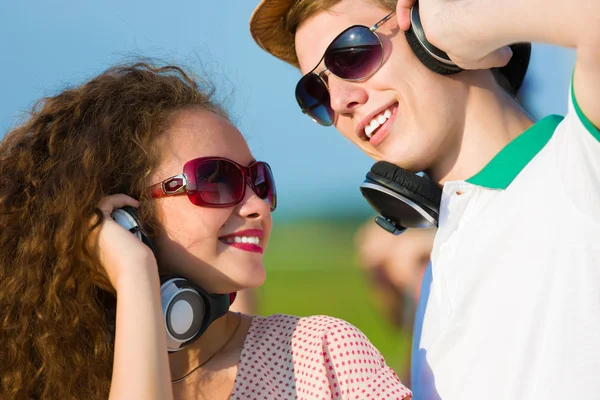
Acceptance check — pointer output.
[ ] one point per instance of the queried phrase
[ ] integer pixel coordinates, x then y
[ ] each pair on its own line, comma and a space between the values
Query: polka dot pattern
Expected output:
312, 358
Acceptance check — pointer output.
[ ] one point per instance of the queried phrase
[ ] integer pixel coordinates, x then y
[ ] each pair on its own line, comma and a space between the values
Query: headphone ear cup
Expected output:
426, 58
418, 188
432, 57
188, 310
184, 312
403, 199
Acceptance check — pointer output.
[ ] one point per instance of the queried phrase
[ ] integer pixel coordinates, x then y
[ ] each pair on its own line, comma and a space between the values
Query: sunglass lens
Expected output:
313, 97
218, 182
264, 183
355, 54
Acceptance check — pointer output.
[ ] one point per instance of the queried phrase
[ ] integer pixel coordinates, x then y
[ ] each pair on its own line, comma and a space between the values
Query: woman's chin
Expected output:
250, 278
253, 280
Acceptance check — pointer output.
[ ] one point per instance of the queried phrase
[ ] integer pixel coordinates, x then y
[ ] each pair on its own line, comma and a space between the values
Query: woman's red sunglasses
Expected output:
219, 182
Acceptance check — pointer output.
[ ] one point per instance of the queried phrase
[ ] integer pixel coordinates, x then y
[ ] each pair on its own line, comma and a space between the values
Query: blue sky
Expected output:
48, 45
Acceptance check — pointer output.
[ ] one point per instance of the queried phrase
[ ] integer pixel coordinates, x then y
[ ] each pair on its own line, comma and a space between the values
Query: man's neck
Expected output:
492, 120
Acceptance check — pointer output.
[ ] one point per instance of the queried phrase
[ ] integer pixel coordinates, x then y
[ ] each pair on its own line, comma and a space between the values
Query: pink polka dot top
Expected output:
312, 358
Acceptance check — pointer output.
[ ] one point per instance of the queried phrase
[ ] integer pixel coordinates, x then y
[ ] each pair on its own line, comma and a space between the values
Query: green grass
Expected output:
312, 269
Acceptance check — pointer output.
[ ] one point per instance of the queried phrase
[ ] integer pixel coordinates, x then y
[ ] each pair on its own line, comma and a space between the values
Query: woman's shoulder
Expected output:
317, 323
311, 329
326, 356
305, 333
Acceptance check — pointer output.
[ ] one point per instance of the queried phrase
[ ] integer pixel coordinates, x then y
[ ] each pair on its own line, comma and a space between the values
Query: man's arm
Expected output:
471, 31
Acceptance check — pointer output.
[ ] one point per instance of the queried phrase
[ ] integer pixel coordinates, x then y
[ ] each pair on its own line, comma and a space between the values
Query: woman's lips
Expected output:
247, 240
253, 248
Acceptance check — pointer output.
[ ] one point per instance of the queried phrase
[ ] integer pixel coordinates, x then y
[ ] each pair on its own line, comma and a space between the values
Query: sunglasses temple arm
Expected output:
156, 191
379, 23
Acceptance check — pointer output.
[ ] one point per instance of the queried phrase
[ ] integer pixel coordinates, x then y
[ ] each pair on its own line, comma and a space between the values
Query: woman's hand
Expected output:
455, 27
120, 252
141, 366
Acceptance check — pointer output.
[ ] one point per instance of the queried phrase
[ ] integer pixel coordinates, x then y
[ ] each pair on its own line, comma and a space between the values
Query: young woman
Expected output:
83, 299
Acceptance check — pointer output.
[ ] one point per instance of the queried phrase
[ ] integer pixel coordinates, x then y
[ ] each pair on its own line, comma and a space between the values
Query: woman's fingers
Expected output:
110, 203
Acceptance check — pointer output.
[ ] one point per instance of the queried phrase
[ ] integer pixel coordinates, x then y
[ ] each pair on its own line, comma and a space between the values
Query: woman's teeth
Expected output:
377, 122
241, 239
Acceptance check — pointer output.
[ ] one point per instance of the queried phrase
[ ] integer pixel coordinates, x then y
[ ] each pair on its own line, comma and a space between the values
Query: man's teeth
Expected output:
376, 122
241, 239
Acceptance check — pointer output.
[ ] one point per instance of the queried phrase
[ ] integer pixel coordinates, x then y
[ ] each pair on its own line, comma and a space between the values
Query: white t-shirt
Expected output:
510, 304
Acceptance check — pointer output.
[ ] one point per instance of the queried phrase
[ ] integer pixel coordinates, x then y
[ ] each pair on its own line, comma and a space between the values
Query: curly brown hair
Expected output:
97, 139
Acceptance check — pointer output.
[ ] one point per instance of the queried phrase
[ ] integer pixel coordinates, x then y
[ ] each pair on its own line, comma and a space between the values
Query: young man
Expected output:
510, 306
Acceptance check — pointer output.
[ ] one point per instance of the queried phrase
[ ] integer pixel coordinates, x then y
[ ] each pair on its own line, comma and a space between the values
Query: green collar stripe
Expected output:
511, 160
584, 120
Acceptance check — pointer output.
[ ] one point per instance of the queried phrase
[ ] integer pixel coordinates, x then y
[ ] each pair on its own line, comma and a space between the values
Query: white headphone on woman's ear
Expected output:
188, 310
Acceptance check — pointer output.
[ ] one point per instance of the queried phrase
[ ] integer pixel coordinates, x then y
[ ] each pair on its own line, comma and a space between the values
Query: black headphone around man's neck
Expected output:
402, 199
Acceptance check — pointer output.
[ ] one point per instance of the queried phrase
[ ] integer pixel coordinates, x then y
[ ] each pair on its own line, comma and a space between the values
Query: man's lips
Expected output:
382, 132
368, 121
